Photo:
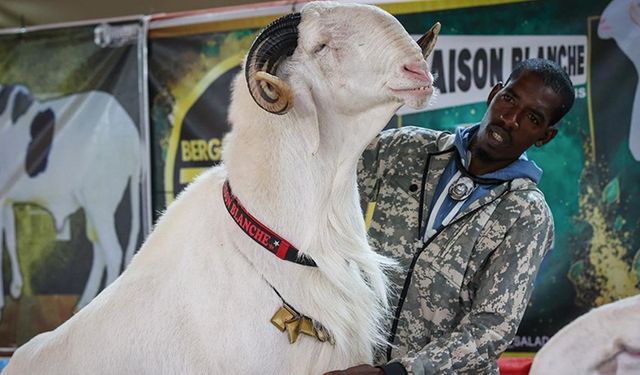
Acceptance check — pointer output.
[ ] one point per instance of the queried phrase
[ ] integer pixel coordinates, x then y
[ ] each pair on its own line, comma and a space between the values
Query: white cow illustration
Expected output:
621, 21
77, 151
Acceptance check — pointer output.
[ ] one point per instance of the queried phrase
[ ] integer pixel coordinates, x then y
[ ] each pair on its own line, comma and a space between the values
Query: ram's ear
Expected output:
306, 108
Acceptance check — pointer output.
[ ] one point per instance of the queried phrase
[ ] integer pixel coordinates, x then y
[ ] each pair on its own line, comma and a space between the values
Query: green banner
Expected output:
190, 79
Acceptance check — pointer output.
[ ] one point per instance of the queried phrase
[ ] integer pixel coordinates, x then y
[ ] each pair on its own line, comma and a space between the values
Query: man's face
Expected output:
519, 115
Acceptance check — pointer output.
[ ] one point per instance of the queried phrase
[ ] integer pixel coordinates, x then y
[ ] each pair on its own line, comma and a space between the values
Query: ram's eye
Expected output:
319, 48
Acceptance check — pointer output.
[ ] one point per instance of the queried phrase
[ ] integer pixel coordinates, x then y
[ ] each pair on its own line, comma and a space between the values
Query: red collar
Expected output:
264, 236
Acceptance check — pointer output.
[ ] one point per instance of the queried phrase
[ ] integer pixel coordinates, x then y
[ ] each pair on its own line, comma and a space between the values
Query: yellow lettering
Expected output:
198, 147
215, 149
201, 150
186, 150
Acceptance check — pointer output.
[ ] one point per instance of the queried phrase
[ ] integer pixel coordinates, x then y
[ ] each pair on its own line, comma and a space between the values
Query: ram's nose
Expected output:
417, 71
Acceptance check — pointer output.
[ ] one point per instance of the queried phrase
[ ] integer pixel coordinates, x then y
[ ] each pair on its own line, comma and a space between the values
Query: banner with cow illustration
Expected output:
73, 168
591, 170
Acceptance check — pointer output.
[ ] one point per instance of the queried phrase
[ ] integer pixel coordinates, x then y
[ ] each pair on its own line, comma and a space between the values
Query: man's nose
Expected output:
510, 120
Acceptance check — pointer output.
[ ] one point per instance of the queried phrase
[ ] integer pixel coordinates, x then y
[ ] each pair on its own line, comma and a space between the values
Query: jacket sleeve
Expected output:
369, 170
383, 153
374, 159
504, 285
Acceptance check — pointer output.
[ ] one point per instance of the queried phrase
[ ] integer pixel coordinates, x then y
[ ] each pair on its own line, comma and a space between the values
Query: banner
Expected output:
468, 66
73, 164
191, 68
591, 169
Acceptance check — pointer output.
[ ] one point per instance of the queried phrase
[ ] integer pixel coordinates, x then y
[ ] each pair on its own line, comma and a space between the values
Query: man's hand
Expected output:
358, 370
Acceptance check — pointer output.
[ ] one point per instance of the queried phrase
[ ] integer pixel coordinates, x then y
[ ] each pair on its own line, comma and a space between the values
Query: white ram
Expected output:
198, 297
72, 152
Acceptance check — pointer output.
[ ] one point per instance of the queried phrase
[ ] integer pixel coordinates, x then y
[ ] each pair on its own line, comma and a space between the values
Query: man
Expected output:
463, 216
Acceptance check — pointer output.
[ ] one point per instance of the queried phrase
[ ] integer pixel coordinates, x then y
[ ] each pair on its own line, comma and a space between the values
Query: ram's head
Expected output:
347, 56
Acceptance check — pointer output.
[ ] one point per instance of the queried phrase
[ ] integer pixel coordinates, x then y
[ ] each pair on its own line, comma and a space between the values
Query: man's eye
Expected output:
507, 97
533, 119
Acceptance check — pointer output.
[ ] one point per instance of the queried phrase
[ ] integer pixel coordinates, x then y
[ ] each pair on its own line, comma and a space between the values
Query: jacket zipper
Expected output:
407, 281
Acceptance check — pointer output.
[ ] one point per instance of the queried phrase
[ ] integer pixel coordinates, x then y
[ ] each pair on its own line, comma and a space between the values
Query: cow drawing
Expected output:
63, 154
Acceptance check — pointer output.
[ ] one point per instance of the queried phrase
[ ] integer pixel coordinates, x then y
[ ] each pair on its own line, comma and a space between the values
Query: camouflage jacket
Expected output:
460, 296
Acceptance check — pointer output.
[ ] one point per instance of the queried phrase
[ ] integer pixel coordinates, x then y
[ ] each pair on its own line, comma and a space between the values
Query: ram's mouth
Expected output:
415, 97
419, 91
421, 88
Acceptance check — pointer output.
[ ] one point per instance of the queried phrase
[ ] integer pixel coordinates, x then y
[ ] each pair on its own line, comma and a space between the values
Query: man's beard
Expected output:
481, 154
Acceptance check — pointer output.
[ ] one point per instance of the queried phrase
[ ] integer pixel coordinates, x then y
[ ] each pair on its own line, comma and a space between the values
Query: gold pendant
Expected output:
282, 316
306, 327
287, 319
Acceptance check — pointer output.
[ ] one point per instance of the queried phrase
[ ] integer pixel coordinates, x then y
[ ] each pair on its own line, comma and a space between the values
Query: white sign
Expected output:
466, 67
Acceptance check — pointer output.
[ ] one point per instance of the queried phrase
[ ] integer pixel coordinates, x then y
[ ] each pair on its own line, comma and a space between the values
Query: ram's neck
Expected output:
302, 193
306, 191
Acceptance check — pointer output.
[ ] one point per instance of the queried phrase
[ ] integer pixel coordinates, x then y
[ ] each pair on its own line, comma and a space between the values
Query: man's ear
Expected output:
498, 86
549, 134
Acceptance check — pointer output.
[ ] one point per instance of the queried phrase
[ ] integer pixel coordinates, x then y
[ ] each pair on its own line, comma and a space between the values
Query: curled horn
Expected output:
276, 42
428, 40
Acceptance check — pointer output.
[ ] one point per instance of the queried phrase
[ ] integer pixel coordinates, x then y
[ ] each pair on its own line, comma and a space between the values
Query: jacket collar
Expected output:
437, 157
440, 153
518, 184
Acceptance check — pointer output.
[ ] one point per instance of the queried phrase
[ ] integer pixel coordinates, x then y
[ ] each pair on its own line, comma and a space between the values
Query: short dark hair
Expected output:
554, 77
